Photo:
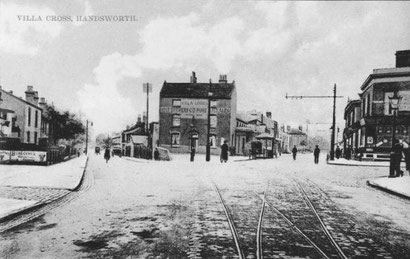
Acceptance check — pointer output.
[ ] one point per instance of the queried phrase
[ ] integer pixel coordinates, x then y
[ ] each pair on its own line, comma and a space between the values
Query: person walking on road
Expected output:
316, 153
294, 151
224, 152
107, 155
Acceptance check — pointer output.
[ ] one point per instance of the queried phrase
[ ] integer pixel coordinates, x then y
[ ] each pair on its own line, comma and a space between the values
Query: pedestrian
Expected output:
156, 154
316, 153
338, 152
294, 151
224, 151
348, 153
397, 152
406, 153
107, 155
192, 153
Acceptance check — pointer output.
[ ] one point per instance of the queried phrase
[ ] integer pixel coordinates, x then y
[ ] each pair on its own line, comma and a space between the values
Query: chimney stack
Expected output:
43, 103
30, 94
269, 115
193, 78
11, 91
223, 79
36, 98
403, 58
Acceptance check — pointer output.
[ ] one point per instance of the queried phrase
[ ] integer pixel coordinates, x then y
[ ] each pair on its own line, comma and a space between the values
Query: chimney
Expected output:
223, 79
11, 91
43, 103
36, 98
139, 119
30, 94
193, 78
403, 58
269, 115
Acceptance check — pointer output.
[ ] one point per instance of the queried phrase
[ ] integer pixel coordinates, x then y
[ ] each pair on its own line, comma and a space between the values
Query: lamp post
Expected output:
86, 136
208, 135
394, 103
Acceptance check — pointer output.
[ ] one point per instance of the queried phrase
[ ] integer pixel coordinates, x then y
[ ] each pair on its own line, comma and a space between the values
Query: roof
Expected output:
197, 90
21, 99
386, 73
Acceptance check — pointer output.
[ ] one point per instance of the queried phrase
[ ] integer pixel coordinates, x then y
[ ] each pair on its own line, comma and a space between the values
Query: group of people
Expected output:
316, 153
224, 152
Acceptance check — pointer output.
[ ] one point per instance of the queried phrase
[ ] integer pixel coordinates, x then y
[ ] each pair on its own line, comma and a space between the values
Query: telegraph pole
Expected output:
332, 140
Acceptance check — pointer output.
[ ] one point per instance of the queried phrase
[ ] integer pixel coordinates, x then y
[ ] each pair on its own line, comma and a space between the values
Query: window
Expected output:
387, 107
212, 141
29, 116
176, 103
28, 136
36, 120
213, 120
368, 105
175, 137
213, 103
176, 120
35, 137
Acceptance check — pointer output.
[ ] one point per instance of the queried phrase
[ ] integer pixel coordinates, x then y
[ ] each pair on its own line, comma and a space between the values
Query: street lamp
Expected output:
394, 104
86, 136
208, 136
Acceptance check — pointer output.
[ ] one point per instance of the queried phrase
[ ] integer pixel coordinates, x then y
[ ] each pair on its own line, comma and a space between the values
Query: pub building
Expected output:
375, 127
183, 115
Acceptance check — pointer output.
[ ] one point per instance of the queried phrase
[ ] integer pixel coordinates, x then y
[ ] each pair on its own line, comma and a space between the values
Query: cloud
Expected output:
25, 37
302, 48
171, 44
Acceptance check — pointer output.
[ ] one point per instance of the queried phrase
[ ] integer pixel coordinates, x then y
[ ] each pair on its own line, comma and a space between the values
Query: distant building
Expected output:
21, 118
292, 136
352, 131
134, 137
183, 114
249, 125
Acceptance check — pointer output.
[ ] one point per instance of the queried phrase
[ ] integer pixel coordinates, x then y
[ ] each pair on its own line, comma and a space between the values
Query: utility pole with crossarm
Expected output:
332, 140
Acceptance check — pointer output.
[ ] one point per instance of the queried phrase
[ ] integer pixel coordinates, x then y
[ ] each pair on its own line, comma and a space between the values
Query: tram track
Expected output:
304, 231
9, 223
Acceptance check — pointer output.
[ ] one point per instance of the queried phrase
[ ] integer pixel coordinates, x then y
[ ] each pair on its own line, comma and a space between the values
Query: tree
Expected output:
103, 140
64, 125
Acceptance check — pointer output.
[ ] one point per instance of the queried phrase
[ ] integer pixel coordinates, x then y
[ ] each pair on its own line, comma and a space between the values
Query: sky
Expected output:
97, 68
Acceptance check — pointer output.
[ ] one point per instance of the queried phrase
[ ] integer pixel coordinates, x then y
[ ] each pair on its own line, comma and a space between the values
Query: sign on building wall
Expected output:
194, 107
405, 101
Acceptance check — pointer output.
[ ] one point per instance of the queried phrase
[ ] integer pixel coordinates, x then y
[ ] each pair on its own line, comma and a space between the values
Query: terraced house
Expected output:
21, 118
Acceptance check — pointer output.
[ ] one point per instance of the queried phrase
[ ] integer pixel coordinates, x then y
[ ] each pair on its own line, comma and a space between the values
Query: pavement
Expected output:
399, 186
65, 177
25, 186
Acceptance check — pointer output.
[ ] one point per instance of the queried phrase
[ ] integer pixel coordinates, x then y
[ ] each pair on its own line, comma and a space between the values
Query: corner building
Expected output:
183, 115
377, 120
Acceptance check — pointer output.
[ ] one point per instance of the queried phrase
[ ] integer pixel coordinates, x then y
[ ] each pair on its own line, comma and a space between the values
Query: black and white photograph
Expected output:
197, 129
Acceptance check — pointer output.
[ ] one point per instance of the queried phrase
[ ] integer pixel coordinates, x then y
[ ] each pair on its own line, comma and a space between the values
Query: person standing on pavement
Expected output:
294, 151
107, 155
193, 153
397, 155
224, 151
338, 152
316, 153
406, 153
